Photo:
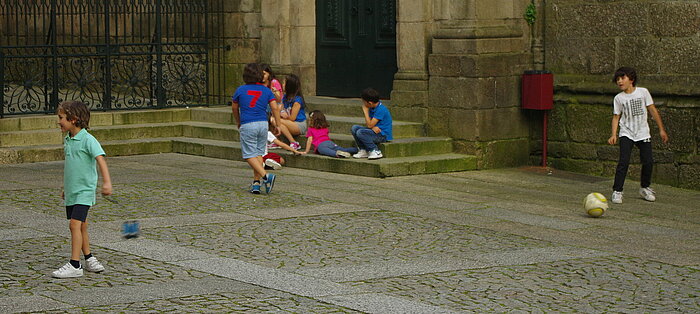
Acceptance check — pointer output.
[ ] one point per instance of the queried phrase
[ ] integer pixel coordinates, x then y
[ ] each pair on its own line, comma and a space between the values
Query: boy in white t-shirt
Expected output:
630, 109
272, 160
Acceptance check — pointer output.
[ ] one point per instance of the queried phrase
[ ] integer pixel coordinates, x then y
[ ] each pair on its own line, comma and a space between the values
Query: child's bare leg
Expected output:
76, 236
285, 131
86, 238
258, 169
291, 126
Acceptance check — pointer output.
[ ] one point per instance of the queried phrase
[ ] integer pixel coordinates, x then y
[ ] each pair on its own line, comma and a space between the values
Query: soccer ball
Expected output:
595, 204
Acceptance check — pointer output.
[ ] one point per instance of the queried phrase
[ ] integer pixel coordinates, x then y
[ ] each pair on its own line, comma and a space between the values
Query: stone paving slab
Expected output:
256, 300
269, 278
599, 284
313, 210
436, 264
528, 219
29, 304
507, 240
21, 233
340, 239
381, 303
101, 296
157, 250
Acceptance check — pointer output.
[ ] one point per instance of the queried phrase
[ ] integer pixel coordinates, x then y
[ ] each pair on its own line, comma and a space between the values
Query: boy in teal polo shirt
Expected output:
83, 155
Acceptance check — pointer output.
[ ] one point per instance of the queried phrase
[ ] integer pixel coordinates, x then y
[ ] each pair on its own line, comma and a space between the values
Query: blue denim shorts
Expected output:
253, 137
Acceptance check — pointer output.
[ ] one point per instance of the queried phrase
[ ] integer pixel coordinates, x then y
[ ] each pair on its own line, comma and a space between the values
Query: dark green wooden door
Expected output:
355, 46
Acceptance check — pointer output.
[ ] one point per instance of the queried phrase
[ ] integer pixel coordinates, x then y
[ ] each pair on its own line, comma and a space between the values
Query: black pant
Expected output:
624, 162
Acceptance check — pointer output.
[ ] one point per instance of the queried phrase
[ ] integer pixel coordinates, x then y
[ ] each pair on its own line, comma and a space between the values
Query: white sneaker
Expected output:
617, 197
361, 154
375, 154
273, 164
342, 154
648, 194
93, 265
68, 271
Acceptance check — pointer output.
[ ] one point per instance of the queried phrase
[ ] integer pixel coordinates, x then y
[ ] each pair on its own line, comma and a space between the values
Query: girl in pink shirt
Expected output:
274, 85
317, 134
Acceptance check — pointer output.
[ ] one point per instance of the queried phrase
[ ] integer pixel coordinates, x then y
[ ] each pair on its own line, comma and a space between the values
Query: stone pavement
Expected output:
498, 240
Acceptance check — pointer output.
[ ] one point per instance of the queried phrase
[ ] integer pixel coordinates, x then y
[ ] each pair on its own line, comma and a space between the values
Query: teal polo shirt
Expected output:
80, 168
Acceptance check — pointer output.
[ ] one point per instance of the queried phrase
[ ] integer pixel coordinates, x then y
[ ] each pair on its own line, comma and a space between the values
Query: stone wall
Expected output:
585, 42
235, 42
478, 53
289, 40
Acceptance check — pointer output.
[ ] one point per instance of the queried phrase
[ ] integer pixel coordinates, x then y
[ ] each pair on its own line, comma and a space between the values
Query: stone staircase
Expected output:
210, 132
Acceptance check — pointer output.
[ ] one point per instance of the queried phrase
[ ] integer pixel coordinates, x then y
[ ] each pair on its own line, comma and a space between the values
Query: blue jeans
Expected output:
366, 138
329, 148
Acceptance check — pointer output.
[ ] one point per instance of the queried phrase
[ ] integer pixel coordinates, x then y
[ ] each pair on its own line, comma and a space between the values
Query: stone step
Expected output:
401, 147
349, 107
41, 122
31, 137
39, 153
385, 167
102, 133
209, 131
339, 124
401, 129
412, 146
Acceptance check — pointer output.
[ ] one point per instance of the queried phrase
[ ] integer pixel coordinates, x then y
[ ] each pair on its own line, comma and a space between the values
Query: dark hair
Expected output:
317, 120
631, 73
292, 88
370, 95
77, 111
266, 68
252, 73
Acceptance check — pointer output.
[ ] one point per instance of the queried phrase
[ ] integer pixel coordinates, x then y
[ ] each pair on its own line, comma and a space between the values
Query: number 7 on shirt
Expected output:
256, 95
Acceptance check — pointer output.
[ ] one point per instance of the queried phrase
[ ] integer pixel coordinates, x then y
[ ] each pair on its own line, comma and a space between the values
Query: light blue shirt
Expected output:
80, 168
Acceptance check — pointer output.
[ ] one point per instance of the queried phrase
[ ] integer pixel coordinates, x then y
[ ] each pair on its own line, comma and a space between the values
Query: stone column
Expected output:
410, 92
478, 53
235, 41
288, 41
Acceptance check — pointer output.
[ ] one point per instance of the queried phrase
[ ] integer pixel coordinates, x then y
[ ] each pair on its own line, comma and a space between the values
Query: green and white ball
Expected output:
595, 204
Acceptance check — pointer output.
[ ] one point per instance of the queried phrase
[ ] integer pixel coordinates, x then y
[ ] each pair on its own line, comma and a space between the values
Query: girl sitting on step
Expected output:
293, 100
317, 135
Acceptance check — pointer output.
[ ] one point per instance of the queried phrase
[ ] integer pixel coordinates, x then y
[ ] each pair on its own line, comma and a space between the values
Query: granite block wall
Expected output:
585, 42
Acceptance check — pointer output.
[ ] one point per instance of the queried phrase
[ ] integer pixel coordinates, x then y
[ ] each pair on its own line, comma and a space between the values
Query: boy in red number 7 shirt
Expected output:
250, 103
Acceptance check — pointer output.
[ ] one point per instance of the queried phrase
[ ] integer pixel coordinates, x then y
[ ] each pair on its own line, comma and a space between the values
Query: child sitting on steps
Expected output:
272, 160
317, 135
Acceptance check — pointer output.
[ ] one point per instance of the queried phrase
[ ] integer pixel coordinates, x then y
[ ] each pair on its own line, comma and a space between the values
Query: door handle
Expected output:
354, 11
369, 11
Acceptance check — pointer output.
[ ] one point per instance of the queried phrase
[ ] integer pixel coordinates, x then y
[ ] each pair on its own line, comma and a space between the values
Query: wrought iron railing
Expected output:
110, 54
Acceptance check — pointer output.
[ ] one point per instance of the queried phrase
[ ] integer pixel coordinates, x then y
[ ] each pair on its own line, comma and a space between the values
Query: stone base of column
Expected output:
474, 91
409, 96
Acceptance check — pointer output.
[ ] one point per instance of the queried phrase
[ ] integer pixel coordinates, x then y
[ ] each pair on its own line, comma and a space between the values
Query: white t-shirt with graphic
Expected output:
632, 109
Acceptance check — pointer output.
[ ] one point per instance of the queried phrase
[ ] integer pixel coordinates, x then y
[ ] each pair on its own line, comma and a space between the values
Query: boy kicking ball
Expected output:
630, 109
83, 155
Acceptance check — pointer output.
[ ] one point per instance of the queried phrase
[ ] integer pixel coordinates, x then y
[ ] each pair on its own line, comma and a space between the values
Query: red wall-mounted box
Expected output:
537, 90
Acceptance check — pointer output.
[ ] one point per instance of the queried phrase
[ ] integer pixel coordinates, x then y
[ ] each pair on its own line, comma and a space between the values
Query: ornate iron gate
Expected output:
110, 54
